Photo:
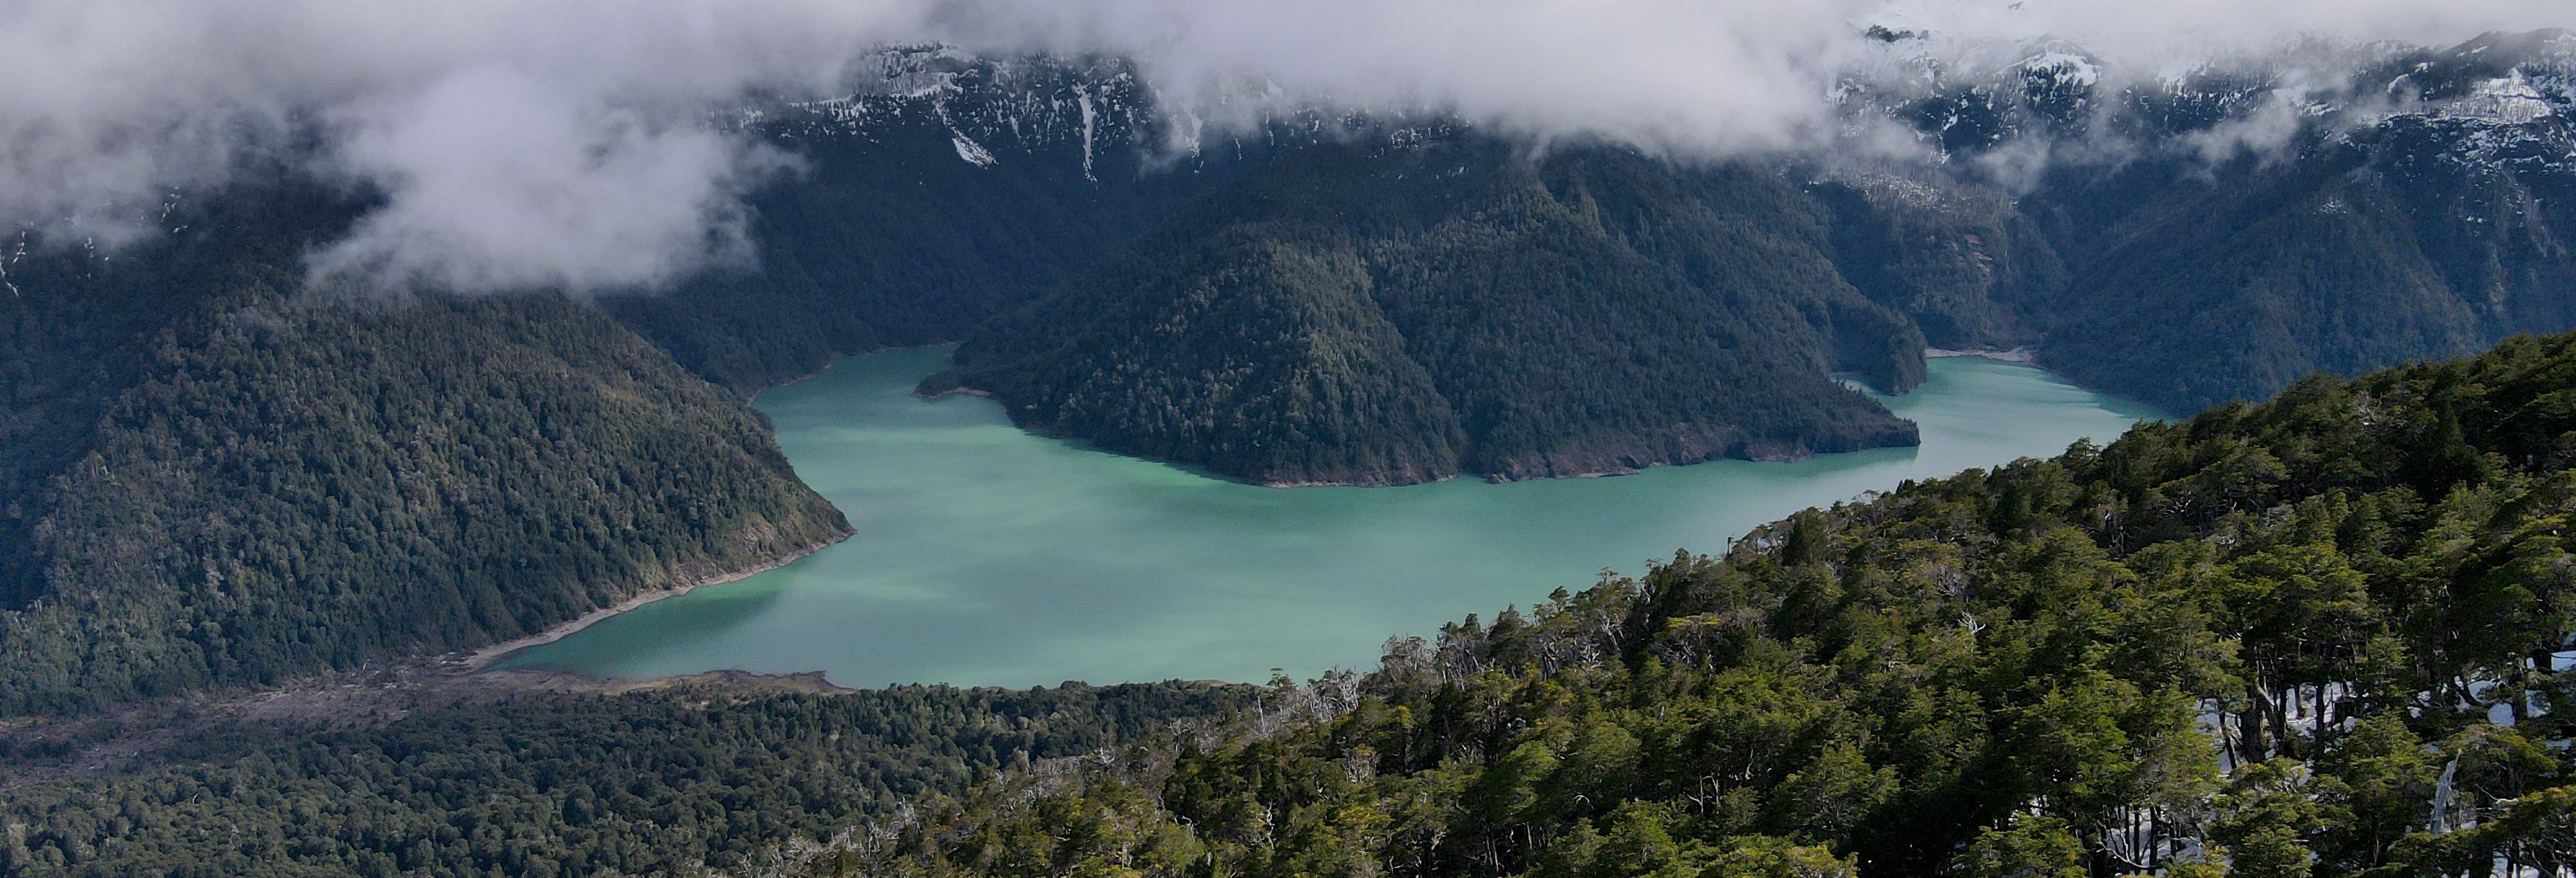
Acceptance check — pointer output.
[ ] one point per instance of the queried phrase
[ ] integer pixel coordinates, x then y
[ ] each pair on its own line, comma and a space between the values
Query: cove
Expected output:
987, 555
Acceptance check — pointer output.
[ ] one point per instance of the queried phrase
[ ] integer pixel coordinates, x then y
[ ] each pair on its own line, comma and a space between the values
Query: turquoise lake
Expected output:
987, 555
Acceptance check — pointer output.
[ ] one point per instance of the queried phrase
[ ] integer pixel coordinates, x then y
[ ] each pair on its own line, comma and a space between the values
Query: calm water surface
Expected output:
989, 556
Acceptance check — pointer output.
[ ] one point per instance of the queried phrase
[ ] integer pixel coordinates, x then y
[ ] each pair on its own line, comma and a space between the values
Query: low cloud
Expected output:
492, 180
515, 144
561, 143
1711, 76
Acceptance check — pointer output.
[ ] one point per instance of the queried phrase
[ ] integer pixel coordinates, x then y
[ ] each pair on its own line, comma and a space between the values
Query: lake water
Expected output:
986, 555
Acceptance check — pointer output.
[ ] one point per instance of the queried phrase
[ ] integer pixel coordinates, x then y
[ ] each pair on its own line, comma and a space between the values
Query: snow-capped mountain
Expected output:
991, 109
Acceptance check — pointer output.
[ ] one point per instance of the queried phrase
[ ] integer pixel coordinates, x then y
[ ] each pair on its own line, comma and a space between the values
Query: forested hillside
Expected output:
1381, 312
2322, 636
226, 479
666, 782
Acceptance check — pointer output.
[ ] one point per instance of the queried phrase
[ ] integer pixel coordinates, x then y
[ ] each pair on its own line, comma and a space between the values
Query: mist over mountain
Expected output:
510, 145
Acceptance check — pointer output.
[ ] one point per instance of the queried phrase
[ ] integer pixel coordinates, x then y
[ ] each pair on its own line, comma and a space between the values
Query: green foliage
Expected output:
2027, 846
2264, 820
2264, 641
661, 782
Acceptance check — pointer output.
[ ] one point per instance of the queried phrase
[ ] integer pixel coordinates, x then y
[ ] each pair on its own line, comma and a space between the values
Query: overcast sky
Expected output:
527, 143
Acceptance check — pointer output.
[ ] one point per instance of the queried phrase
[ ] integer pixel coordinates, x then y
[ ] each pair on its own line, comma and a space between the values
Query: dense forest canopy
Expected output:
670, 781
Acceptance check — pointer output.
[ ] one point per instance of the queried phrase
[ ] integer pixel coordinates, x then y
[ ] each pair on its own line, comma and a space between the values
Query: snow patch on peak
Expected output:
973, 153
2509, 100
2067, 66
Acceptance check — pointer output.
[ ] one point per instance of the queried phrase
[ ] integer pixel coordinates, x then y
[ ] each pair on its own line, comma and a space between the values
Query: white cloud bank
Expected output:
525, 143
519, 143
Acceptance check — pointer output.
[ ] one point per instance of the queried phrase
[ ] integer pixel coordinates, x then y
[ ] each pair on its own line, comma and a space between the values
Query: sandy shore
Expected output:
489, 654
2016, 355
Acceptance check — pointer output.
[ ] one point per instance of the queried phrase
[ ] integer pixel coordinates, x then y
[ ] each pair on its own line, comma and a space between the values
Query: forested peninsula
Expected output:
1369, 315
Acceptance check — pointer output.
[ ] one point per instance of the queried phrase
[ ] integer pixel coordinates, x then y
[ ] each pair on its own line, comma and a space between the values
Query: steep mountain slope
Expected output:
2242, 232
1965, 265
2313, 637
2417, 237
1415, 305
946, 190
270, 484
